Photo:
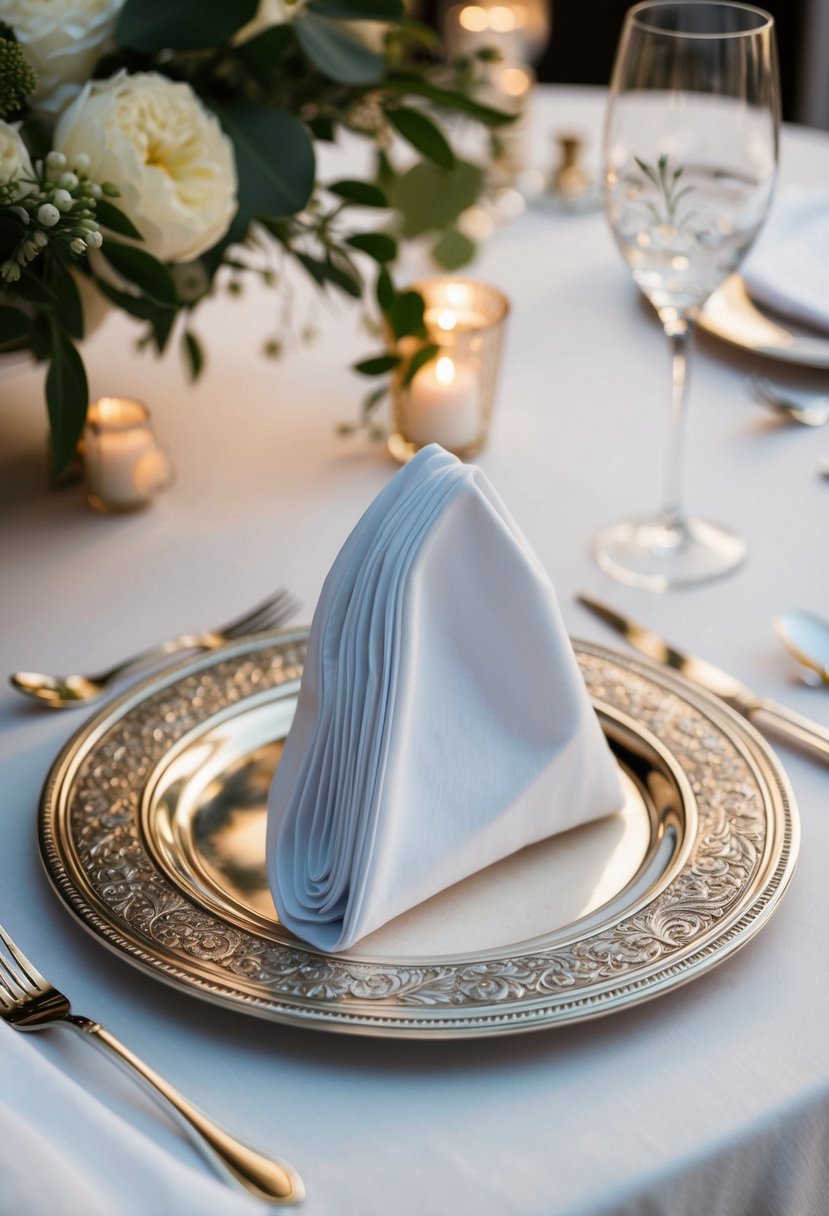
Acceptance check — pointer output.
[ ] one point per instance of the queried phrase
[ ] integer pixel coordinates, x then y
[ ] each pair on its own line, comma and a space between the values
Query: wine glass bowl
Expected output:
690, 162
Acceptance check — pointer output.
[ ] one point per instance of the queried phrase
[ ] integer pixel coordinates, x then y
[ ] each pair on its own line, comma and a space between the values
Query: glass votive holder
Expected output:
449, 400
124, 466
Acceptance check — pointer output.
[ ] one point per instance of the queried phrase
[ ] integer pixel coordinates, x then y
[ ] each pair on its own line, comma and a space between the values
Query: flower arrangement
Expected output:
142, 143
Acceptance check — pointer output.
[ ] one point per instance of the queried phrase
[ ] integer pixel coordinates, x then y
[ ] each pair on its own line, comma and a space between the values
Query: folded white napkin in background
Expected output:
442, 721
788, 269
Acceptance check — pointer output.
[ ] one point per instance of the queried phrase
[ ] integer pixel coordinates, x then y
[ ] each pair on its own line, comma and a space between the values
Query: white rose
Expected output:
63, 41
165, 152
270, 12
14, 159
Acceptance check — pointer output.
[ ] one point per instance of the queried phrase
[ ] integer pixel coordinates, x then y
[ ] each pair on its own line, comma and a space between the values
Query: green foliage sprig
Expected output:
277, 95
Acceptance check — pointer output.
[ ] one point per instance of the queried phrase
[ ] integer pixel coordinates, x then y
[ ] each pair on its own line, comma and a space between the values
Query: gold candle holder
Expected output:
449, 401
124, 466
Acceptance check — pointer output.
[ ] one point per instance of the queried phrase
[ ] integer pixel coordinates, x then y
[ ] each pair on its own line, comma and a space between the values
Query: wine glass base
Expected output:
658, 555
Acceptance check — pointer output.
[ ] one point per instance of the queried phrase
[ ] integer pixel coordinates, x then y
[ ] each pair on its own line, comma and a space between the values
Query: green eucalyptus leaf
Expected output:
161, 319
67, 398
193, 353
33, 289
181, 25
69, 308
274, 158
343, 275
406, 314
449, 99
362, 194
429, 198
335, 53
378, 366
377, 245
137, 266
262, 54
453, 249
422, 134
14, 327
419, 359
385, 290
112, 217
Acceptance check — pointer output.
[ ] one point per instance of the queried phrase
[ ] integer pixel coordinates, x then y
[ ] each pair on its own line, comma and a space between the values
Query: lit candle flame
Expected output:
447, 319
444, 370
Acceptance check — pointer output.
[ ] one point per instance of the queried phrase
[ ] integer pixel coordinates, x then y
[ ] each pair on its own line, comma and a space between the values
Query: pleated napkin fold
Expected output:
788, 269
442, 721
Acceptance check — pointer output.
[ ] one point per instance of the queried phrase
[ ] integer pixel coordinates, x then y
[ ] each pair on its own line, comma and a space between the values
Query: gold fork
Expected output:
65, 692
29, 1002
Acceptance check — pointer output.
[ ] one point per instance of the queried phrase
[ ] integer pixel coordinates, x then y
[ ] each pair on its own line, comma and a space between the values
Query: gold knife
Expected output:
762, 711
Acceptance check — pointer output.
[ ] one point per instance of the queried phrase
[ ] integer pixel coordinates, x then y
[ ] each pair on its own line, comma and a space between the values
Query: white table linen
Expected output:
713, 1098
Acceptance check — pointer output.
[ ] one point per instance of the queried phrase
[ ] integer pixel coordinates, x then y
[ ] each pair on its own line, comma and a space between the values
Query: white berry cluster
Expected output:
56, 205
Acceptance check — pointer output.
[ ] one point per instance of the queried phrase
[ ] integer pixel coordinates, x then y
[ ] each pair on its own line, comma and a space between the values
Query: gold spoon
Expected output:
806, 637
64, 692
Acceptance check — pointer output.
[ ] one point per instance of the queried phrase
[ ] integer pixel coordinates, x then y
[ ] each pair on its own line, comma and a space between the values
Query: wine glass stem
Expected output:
679, 333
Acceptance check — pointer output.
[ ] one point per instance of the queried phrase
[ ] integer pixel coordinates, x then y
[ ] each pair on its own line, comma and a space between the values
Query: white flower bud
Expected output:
95, 190
21, 213
40, 238
47, 215
56, 160
62, 200
94, 240
82, 162
77, 246
10, 271
68, 180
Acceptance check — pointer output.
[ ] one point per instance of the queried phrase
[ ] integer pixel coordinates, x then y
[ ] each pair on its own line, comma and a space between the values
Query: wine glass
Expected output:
691, 158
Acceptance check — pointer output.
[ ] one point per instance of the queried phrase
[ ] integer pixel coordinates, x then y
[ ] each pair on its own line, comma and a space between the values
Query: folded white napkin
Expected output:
442, 721
788, 269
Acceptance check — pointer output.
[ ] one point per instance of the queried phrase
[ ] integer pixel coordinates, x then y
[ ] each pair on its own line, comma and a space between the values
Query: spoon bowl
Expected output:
814, 412
806, 637
57, 691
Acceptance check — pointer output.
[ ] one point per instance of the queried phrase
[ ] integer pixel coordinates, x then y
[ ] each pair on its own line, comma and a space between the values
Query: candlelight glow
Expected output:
444, 370
501, 19
473, 18
447, 319
457, 294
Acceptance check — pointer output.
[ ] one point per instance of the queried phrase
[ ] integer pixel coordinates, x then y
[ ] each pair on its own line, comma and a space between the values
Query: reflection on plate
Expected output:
731, 314
152, 829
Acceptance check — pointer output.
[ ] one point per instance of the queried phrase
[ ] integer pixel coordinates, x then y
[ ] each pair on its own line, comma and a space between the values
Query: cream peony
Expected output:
166, 153
63, 40
14, 159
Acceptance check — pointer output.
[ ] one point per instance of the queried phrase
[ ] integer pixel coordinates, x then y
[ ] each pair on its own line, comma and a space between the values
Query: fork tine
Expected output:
31, 977
241, 623
266, 616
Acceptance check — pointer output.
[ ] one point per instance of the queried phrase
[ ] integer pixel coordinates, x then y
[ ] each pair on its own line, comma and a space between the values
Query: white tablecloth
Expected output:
713, 1099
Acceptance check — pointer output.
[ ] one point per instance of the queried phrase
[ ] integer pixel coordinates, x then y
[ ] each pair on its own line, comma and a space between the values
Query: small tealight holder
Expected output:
124, 466
449, 400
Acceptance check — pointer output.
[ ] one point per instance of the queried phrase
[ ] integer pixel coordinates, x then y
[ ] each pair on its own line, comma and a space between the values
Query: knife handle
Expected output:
794, 726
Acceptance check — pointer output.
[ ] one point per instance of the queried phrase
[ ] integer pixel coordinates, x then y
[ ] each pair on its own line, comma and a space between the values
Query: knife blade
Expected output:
762, 711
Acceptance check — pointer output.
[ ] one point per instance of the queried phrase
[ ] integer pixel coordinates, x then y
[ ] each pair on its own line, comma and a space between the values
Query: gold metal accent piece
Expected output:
731, 315
151, 828
29, 1002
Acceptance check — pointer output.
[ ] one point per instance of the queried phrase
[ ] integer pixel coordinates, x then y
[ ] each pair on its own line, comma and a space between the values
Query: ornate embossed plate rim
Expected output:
743, 860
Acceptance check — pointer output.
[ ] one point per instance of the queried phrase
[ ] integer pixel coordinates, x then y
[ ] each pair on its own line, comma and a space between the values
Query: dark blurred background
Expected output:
585, 33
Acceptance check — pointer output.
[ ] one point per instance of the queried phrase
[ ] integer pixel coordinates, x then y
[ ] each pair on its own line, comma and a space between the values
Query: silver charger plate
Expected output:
152, 826
731, 315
